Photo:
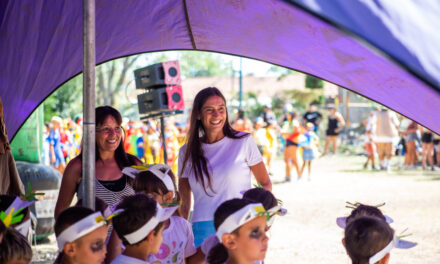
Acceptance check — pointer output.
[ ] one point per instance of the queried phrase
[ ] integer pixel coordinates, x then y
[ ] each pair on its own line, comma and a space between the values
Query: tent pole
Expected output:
88, 158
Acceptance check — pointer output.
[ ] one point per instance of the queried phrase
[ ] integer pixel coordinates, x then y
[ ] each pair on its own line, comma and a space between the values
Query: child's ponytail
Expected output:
218, 254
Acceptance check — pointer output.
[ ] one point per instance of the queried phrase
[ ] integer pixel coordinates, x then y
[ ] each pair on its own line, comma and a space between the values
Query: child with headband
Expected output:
368, 236
241, 227
178, 239
14, 248
362, 210
140, 228
81, 235
23, 226
258, 195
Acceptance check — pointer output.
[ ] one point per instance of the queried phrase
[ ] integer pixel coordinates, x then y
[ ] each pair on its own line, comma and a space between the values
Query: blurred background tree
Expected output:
314, 83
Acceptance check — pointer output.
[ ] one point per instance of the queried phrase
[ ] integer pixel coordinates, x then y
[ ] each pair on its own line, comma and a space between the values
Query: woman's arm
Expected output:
185, 194
69, 183
341, 122
260, 173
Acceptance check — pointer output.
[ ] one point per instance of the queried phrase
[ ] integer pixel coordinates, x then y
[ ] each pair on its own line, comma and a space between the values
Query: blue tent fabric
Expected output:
41, 44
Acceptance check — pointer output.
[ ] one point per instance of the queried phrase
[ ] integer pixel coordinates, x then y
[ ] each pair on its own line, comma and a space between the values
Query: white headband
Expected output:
394, 243
240, 218
159, 170
342, 221
276, 210
80, 229
162, 214
23, 227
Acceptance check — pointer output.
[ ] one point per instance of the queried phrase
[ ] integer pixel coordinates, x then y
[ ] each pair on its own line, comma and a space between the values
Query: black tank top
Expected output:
332, 126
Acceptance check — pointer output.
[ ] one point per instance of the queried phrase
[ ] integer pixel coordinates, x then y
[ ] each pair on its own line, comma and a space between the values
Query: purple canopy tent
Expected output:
379, 49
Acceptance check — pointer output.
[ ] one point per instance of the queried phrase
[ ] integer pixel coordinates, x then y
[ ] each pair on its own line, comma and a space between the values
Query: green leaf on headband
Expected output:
402, 235
30, 195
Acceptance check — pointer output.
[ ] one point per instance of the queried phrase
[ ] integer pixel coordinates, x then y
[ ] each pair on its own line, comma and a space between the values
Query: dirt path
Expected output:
309, 234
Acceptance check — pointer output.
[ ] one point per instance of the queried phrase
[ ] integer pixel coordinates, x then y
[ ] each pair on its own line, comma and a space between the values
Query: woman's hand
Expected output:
69, 183
261, 175
185, 194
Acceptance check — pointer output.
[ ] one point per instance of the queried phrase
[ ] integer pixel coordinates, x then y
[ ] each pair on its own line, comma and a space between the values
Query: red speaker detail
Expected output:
172, 72
175, 97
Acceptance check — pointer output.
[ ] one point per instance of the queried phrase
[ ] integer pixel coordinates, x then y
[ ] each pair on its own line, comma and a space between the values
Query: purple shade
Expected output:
41, 47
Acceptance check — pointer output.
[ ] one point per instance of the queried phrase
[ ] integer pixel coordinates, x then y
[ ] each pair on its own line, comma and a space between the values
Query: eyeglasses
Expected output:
109, 130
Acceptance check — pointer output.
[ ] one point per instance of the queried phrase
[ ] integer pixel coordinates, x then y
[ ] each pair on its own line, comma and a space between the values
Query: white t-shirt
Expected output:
229, 161
210, 242
177, 242
123, 259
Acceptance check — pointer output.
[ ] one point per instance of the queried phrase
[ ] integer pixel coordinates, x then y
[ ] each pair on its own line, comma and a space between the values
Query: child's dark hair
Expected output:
261, 195
68, 217
138, 209
219, 254
100, 205
2, 230
14, 246
365, 236
365, 210
148, 182
6, 200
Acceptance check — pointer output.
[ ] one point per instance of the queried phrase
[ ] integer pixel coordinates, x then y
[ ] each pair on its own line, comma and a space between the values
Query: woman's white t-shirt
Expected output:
229, 161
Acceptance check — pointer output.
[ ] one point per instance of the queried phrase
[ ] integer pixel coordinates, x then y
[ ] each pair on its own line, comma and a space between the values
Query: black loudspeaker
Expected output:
157, 75
161, 100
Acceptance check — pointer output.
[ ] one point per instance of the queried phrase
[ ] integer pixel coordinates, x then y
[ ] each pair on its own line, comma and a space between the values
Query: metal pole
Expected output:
240, 94
88, 158
164, 144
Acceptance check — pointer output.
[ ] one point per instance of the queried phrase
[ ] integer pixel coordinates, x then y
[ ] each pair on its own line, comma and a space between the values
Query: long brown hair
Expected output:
122, 158
194, 151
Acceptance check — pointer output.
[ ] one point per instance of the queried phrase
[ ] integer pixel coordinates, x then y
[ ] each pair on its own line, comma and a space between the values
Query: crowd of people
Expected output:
387, 136
62, 141
142, 211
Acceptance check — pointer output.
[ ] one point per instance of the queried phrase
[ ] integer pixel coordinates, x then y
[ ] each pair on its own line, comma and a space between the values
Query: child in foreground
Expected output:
15, 224
14, 248
177, 237
258, 195
140, 228
81, 235
362, 210
241, 227
368, 240
23, 226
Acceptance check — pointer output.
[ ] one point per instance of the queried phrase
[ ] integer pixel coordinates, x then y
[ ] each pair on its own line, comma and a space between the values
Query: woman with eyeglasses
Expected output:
111, 185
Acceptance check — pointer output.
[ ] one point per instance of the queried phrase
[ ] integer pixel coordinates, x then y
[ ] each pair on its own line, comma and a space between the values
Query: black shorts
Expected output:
331, 132
436, 141
427, 137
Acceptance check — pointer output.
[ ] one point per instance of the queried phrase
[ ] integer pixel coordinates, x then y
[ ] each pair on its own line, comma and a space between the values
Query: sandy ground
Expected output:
309, 234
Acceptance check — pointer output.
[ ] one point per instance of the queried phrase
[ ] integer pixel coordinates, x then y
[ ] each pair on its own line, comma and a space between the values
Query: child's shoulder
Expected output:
179, 222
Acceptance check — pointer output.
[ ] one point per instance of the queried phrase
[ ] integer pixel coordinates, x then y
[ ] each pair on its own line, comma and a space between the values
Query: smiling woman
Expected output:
111, 184
216, 162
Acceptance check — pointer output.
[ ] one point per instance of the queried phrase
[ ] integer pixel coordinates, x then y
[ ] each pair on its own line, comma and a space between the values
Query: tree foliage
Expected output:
313, 82
66, 101
201, 64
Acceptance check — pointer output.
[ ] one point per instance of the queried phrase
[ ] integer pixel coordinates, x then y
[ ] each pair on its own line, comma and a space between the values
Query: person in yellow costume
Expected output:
270, 149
